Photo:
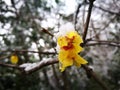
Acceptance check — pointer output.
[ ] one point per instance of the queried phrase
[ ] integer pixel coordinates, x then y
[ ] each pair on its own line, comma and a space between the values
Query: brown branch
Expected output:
37, 67
66, 81
36, 52
98, 80
111, 12
89, 70
53, 61
103, 28
47, 32
3, 57
10, 65
41, 65
24, 51
78, 11
107, 41
88, 20
103, 43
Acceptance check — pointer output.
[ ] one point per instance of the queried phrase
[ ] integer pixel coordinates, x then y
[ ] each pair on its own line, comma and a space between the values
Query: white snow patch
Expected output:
49, 50
29, 66
64, 29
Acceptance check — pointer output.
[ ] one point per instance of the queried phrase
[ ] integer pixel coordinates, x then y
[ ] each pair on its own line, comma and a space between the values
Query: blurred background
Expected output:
21, 29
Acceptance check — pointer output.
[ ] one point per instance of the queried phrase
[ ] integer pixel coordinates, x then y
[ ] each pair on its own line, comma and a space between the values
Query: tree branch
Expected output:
27, 69
44, 63
24, 51
89, 70
47, 32
111, 12
98, 80
103, 43
38, 66
10, 65
87, 20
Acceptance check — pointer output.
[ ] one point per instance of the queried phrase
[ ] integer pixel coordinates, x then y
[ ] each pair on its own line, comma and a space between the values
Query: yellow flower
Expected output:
14, 59
69, 48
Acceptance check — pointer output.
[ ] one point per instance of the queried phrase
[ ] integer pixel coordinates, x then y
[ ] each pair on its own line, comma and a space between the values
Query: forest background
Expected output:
27, 28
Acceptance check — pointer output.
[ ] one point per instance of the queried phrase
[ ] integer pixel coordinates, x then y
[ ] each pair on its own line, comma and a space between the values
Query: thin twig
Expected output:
24, 51
49, 62
78, 11
103, 28
88, 20
47, 32
103, 43
107, 41
111, 12
76, 14
10, 65
3, 57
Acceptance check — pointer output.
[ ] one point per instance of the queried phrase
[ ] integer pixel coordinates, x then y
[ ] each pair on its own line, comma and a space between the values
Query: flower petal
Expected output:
65, 60
79, 60
62, 41
77, 48
66, 63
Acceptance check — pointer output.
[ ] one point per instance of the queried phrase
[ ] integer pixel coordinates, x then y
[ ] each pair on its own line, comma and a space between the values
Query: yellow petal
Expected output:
77, 38
64, 59
71, 34
62, 68
79, 60
62, 41
66, 63
77, 48
62, 55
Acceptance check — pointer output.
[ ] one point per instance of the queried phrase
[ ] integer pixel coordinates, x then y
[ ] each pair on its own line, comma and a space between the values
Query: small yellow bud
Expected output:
14, 59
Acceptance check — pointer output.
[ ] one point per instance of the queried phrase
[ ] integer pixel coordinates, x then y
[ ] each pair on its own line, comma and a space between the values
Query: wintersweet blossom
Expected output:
68, 46
14, 59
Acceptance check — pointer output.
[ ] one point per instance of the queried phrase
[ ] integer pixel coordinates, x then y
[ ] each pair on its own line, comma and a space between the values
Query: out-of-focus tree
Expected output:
27, 29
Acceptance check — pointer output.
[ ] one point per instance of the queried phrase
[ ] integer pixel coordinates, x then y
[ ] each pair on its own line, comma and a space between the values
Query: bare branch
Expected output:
111, 12
24, 51
78, 11
88, 20
40, 65
102, 43
47, 32
10, 65
90, 72
53, 61
107, 41
3, 57
44, 63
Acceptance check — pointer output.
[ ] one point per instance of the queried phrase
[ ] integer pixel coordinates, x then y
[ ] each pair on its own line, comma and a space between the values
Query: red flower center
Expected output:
69, 45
